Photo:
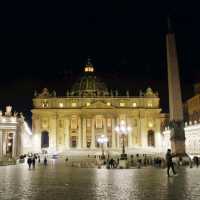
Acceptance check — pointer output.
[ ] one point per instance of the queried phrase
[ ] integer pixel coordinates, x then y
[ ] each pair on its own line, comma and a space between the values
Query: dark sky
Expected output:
45, 45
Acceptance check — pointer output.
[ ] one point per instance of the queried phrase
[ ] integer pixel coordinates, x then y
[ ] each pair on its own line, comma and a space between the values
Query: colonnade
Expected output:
83, 135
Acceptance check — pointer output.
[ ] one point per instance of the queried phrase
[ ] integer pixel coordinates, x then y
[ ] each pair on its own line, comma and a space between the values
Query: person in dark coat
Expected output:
45, 161
33, 162
169, 161
29, 161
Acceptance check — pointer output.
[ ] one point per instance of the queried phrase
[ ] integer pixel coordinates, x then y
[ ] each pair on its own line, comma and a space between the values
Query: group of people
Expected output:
31, 160
111, 163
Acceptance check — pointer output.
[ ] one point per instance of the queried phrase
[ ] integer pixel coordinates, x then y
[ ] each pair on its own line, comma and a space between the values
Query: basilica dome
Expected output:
89, 85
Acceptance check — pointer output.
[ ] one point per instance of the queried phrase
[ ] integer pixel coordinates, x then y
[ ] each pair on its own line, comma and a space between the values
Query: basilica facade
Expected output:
88, 111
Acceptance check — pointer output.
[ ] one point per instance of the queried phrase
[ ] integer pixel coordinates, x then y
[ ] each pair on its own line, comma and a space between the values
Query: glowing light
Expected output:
61, 105
134, 105
89, 69
102, 139
122, 123
150, 124
3, 119
73, 104
149, 104
108, 103
122, 128
88, 103
122, 104
9, 144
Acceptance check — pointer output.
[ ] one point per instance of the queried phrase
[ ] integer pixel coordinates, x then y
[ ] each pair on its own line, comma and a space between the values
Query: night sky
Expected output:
46, 45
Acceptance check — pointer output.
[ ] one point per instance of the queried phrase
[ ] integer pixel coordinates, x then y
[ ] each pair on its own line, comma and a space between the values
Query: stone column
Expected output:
143, 124
139, 135
4, 143
93, 134
113, 134
1, 145
84, 133
118, 137
52, 133
79, 133
105, 130
14, 145
130, 134
67, 136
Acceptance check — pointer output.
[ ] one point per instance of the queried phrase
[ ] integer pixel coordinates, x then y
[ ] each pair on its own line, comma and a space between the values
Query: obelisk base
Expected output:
177, 138
178, 147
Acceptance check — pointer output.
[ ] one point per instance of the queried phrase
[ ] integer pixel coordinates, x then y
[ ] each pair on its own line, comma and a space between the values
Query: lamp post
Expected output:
123, 130
102, 140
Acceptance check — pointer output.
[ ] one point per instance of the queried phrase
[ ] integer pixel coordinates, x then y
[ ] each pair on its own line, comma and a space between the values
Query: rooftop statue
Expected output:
45, 93
8, 111
149, 93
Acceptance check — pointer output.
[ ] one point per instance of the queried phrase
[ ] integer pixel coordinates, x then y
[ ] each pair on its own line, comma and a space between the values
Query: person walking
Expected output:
29, 161
33, 162
170, 163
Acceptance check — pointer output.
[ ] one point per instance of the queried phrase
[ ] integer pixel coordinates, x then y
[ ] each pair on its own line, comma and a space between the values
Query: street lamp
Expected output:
102, 140
123, 130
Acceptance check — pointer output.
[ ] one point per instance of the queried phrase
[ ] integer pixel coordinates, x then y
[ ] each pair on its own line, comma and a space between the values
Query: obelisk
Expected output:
175, 100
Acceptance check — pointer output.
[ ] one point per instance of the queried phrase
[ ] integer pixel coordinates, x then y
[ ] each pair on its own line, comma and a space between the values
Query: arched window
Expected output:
151, 138
45, 139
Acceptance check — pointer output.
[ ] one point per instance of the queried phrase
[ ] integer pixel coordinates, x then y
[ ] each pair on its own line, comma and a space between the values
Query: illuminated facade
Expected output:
76, 121
15, 136
192, 138
192, 105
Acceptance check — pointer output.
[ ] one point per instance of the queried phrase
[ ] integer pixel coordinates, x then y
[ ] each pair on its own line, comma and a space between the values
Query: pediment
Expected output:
99, 104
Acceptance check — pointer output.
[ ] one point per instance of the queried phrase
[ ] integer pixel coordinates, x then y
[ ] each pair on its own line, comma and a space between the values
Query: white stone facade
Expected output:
192, 138
15, 136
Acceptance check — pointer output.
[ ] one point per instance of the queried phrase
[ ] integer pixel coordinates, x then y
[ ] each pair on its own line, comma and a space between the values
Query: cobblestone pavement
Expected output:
58, 182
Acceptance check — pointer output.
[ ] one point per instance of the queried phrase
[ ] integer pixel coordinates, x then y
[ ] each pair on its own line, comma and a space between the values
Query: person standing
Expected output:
45, 161
29, 161
169, 161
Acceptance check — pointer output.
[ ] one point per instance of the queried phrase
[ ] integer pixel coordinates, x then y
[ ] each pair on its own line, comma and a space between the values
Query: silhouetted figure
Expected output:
33, 162
45, 161
170, 164
38, 159
29, 161
111, 163
196, 161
